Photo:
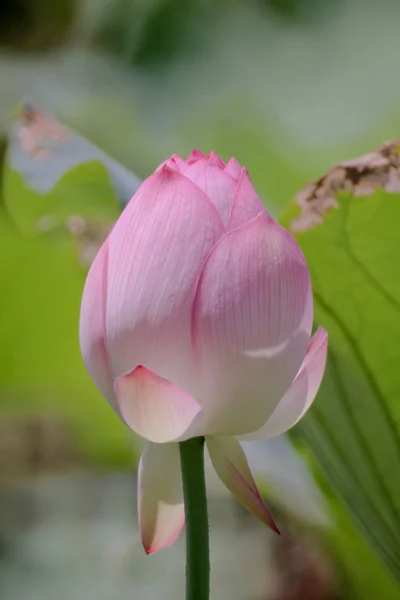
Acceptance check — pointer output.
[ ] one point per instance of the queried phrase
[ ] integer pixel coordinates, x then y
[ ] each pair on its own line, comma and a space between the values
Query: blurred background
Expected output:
289, 87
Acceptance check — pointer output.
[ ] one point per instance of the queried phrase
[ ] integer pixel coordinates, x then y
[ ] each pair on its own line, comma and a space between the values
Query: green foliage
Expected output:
52, 173
298, 11
363, 575
152, 33
41, 370
353, 428
169, 26
37, 26
85, 190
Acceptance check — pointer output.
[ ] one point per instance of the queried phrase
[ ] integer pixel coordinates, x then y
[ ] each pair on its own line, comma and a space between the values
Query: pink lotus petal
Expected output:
214, 159
196, 155
301, 393
231, 465
233, 169
246, 204
175, 162
216, 184
157, 409
252, 318
156, 251
92, 323
180, 162
160, 497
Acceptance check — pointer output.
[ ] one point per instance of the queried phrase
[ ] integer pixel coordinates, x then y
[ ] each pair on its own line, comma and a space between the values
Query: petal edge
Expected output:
92, 337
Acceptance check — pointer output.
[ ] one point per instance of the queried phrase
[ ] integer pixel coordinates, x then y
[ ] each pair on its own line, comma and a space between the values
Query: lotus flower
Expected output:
196, 321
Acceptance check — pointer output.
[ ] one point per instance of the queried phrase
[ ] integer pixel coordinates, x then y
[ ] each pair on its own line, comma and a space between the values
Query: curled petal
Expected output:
155, 408
233, 169
246, 204
92, 325
218, 186
231, 465
301, 393
251, 324
156, 250
160, 497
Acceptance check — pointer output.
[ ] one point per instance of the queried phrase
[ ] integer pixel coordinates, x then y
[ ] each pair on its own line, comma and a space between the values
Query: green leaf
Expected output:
85, 190
41, 370
363, 575
56, 184
353, 251
52, 173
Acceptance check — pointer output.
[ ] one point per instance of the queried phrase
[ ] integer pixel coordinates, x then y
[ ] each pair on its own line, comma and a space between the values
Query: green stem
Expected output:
194, 492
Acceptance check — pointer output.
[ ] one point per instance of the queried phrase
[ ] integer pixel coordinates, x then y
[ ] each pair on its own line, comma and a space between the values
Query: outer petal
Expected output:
155, 408
92, 324
233, 169
218, 186
156, 251
301, 393
231, 465
246, 204
252, 319
160, 496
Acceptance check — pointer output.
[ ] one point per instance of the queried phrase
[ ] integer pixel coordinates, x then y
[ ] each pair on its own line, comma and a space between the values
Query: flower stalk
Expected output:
197, 535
